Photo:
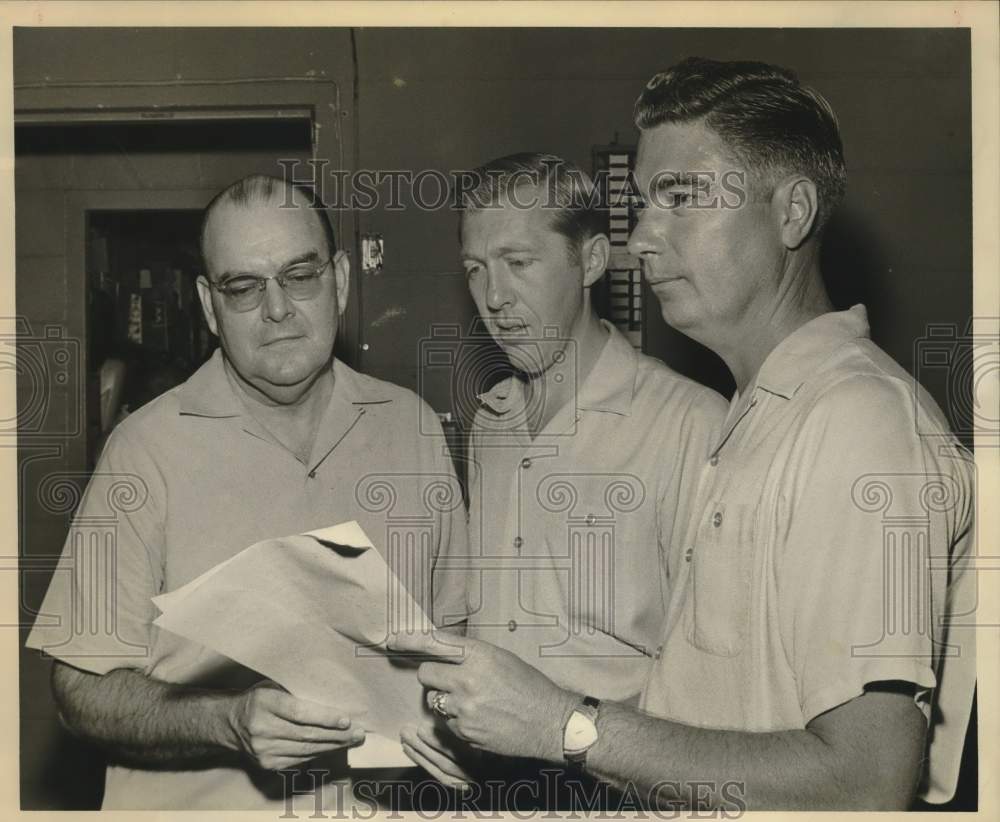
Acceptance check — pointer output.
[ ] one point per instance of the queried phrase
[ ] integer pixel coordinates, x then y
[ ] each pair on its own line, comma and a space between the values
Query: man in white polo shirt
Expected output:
818, 650
581, 461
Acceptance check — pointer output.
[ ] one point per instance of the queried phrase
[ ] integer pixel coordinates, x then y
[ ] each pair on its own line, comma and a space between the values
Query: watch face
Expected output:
580, 733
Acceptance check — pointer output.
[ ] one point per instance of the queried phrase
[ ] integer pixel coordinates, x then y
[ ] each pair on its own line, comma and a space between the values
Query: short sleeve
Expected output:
873, 522
97, 612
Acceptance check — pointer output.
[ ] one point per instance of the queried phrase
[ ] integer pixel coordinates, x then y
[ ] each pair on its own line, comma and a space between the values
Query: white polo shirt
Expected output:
829, 515
570, 531
192, 479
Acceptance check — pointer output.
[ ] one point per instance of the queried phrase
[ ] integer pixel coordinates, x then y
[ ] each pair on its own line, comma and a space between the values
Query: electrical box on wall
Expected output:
372, 253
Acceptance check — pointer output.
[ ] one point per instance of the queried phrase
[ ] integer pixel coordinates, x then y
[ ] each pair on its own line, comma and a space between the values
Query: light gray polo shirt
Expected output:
570, 531
826, 550
191, 479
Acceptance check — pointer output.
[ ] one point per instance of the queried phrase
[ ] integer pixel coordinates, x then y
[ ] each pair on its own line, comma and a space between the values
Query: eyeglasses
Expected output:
245, 292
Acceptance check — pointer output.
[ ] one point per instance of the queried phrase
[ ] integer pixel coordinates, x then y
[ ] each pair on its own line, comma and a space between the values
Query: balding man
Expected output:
270, 437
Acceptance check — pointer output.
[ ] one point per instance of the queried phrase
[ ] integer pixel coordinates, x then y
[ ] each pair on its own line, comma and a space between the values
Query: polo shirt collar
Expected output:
209, 393
609, 387
504, 396
358, 389
800, 354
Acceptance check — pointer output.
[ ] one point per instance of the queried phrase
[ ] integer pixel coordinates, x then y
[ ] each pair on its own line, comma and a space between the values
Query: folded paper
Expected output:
312, 612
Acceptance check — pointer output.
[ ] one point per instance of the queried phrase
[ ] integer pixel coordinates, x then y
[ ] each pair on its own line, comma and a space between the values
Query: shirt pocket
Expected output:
721, 578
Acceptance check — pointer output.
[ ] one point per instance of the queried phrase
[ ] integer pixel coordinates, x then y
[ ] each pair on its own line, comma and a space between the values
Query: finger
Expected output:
276, 748
430, 737
278, 763
270, 685
283, 763
434, 698
441, 757
447, 761
431, 768
303, 712
309, 734
440, 676
441, 645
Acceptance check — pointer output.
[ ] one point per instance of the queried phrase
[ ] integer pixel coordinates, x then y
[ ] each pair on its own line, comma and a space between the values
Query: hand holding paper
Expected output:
312, 612
279, 731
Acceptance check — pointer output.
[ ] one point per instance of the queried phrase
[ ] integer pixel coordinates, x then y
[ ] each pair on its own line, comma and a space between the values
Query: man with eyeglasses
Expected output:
272, 436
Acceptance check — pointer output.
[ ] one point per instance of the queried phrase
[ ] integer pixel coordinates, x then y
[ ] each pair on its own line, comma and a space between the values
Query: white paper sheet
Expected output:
312, 612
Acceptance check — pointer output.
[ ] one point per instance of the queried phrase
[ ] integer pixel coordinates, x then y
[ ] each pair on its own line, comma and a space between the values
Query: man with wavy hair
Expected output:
580, 461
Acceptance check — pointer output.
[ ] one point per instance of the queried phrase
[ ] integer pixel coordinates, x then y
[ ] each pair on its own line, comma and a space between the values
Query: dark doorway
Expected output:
146, 331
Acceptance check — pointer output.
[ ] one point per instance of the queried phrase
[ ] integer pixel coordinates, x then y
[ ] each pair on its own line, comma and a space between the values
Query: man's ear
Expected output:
342, 278
205, 295
595, 254
797, 207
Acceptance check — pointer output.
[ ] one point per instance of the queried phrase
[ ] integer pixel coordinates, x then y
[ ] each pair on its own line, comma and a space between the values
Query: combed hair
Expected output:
569, 192
772, 124
262, 188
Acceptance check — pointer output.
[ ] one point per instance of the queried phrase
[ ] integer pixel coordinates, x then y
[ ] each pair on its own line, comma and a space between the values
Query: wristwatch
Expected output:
580, 733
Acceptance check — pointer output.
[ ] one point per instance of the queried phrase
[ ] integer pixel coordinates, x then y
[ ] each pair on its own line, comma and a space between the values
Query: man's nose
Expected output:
641, 243
498, 293
277, 304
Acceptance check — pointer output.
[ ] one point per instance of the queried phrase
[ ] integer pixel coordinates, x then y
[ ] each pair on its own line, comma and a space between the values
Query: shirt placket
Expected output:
500, 517
712, 480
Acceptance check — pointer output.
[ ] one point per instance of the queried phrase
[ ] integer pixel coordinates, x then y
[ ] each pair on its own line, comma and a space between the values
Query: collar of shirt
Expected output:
797, 358
801, 353
609, 387
209, 393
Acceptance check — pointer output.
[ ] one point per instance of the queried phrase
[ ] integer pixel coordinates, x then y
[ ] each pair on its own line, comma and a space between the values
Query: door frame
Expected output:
239, 101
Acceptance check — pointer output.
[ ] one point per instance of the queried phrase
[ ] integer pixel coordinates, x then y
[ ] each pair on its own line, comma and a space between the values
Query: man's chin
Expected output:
675, 316
282, 393
286, 385
291, 367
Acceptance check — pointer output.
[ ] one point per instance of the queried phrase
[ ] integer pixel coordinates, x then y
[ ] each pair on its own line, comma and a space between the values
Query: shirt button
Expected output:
687, 554
717, 519
518, 542
659, 650
512, 626
714, 461
526, 462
